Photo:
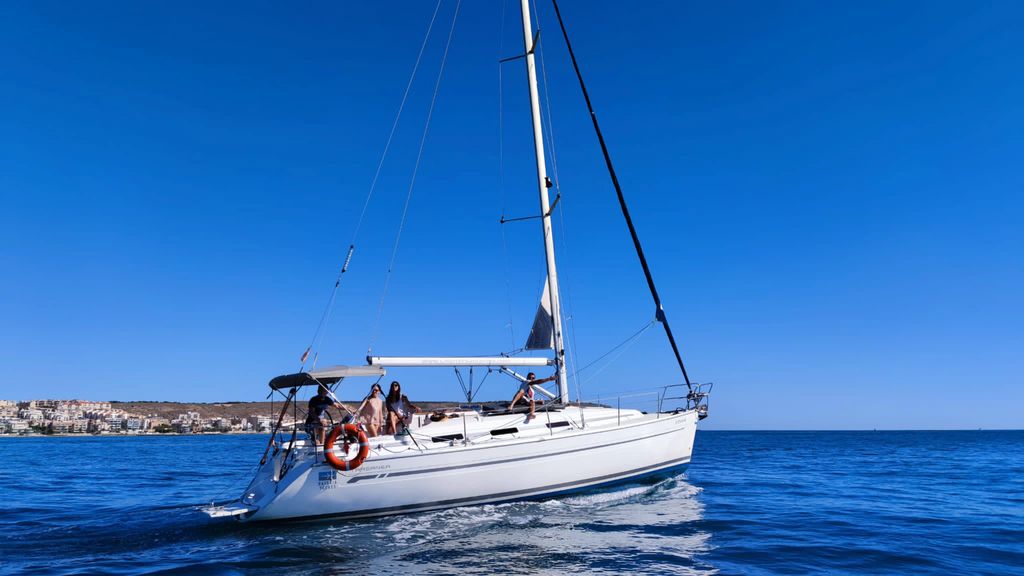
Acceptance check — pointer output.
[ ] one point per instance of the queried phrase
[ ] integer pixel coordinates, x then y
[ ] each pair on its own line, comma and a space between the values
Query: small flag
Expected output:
305, 355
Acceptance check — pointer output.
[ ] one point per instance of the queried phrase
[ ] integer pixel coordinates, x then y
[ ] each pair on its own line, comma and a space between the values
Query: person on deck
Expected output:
316, 411
371, 411
526, 391
400, 409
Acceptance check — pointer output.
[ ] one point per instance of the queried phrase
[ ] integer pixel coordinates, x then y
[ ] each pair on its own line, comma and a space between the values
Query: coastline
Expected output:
80, 418
729, 431
135, 435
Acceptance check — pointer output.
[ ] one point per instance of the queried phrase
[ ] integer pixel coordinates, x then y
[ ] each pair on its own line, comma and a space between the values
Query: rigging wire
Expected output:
462, 384
547, 129
548, 132
412, 181
632, 338
318, 336
573, 349
394, 126
317, 340
482, 380
501, 178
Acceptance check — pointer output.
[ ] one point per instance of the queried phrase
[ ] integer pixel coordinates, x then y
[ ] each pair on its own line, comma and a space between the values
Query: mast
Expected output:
545, 206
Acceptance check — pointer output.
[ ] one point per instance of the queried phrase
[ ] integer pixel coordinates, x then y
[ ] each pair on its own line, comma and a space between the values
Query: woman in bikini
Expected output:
371, 411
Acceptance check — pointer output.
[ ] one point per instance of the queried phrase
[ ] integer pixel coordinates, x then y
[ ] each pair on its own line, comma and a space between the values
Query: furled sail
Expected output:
542, 335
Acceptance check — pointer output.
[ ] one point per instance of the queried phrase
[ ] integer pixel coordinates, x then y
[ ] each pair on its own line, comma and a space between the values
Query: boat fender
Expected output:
349, 434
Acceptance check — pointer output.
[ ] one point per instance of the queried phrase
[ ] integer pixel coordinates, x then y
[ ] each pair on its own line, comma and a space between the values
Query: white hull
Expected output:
555, 453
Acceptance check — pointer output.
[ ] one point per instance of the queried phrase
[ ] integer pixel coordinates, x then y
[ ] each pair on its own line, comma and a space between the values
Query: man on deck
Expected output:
526, 390
318, 406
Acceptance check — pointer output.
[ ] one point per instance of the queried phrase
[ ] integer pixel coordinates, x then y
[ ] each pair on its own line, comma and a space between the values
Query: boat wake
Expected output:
562, 534
576, 533
675, 487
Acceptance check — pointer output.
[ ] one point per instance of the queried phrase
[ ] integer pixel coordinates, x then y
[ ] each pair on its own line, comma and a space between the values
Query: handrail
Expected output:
695, 398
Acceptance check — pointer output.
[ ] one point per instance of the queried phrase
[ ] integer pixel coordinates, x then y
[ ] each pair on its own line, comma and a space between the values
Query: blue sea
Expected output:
750, 503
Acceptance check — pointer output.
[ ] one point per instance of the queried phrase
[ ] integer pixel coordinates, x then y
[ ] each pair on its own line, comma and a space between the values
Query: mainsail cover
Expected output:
542, 335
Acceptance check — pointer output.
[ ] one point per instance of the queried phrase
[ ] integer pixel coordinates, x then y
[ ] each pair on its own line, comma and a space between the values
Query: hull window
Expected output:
446, 438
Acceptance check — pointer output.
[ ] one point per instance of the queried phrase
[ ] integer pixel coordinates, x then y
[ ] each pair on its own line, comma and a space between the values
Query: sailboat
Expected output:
477, 454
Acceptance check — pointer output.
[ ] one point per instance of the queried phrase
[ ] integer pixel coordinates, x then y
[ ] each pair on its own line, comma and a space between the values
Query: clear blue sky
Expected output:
831, 195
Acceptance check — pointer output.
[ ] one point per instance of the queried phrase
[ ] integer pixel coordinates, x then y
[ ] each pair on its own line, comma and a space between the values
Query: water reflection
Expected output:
614, 531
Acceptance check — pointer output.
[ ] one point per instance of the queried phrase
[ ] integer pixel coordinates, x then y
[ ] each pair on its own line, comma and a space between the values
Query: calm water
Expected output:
752, 503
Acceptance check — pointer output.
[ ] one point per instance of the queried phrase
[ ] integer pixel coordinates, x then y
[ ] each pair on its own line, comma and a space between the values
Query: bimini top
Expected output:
324, 376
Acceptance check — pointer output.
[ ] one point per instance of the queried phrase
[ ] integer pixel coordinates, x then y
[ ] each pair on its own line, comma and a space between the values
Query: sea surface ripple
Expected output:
751, 503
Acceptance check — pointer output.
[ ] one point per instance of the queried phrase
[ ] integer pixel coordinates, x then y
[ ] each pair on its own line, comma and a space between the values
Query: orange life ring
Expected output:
350, 434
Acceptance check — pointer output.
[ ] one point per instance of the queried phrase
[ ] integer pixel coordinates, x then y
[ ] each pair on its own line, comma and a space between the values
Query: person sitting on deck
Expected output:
371, 411
526, 390
400, 409
316, 411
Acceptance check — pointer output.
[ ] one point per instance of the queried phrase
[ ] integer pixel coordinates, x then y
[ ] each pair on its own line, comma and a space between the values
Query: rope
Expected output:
412, 181
325, 317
